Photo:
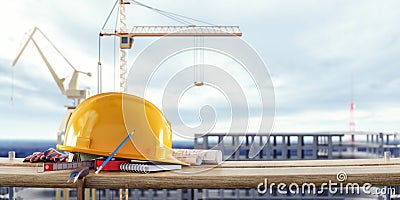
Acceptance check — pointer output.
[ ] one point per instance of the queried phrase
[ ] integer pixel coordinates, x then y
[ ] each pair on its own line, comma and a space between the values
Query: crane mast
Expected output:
123, 52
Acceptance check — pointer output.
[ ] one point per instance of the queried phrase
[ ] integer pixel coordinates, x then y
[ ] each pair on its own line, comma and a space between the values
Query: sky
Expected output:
320, 55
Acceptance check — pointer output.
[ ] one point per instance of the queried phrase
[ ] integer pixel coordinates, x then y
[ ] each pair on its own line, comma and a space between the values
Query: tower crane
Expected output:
126, 37
72, 92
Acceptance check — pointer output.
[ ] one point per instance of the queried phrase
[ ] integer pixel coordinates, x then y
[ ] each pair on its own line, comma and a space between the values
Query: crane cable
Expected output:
164, 13
198, 51
58, 51
99, 70
109, 15
179, 18
176, 17
198, 42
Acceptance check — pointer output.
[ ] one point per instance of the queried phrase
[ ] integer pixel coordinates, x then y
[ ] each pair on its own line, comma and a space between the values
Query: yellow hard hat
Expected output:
100, 123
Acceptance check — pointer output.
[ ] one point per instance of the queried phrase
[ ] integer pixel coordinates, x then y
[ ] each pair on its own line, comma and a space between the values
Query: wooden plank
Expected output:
233, 174
17, 176
17, 162
250, 178
308, 163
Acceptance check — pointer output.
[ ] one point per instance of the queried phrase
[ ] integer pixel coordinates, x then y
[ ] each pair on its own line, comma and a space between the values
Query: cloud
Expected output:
312, 49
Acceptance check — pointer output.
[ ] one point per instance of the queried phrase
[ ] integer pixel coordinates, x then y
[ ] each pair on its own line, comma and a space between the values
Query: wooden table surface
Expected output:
231, 174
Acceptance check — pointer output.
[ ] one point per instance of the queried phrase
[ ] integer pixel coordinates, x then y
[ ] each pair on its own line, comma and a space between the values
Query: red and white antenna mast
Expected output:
352, 123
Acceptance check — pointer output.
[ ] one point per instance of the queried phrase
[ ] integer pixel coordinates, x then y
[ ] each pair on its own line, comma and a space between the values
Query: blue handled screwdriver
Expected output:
114, 152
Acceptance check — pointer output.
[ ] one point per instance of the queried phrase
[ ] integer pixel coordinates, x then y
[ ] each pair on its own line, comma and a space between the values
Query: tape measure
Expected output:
66, 165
